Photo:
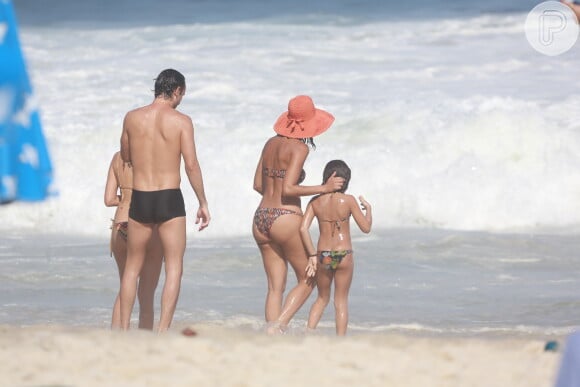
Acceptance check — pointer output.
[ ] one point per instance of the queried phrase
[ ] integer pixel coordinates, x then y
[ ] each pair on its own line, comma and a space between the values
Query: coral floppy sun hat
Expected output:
303, 119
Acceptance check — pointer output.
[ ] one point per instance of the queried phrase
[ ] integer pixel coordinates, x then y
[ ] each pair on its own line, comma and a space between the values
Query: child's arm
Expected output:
364, 221
307, 240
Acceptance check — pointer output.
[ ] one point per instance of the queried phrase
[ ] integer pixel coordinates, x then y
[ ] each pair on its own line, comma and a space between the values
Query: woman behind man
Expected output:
279, 215
118, 194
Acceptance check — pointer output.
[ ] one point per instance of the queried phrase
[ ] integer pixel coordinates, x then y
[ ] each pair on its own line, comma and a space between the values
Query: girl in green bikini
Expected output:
333, 259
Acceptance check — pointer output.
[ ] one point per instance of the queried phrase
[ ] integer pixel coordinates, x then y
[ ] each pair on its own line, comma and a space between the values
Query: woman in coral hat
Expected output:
277, 220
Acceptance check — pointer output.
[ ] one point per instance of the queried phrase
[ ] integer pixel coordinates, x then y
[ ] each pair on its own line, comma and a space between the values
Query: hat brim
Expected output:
318, 124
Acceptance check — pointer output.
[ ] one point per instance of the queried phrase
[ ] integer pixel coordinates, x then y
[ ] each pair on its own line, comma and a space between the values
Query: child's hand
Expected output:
363, 203
311, 267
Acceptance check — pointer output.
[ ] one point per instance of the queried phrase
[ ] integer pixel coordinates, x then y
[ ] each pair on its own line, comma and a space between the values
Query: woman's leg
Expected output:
139, 236
119, 250
323, 284
342, 281
148, 281
276, 270
285, 232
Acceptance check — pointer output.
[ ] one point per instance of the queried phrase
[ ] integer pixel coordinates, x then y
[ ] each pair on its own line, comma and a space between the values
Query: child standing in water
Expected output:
333, 259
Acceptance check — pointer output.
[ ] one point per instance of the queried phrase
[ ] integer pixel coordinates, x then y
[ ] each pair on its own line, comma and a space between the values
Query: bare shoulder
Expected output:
271, 141
350, 199
298, 147
182, 119
134, 114
137, 111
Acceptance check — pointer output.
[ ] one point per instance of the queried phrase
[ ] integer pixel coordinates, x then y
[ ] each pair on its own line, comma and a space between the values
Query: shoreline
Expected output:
77, 356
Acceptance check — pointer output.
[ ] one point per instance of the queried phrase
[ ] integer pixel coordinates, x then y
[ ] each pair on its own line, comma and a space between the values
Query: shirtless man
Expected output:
154, 139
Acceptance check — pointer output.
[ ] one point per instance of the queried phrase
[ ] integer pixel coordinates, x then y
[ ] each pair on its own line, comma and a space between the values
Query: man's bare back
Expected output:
155, 149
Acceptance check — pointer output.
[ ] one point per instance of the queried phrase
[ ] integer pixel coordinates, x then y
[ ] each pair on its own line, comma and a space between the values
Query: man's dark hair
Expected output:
341, 169
167, 82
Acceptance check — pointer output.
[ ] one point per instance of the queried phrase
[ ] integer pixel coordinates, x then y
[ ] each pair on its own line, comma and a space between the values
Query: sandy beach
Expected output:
218, 356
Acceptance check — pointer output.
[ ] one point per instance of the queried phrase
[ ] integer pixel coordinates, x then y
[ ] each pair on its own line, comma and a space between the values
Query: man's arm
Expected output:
125, 152
193, 171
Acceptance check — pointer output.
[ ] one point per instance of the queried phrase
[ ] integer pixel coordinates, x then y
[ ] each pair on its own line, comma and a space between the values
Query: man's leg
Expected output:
139, 235
172, 234
148, 280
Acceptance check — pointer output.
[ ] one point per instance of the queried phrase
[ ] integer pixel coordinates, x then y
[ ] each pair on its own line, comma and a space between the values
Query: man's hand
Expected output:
202, 218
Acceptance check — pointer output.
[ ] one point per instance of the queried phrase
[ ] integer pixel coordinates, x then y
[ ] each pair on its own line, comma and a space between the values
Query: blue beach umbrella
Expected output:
25, 167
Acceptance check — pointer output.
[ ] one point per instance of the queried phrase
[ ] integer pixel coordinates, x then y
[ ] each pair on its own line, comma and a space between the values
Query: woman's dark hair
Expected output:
309, 141
167, 82
341, 169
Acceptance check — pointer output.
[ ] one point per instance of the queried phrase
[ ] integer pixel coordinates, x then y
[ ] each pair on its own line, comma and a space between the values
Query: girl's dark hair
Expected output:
167, 82
341, 169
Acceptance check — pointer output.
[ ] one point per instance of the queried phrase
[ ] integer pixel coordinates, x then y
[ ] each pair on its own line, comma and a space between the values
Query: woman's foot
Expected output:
275, 328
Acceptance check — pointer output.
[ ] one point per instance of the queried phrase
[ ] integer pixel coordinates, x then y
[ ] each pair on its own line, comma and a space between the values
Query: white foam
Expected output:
455, 124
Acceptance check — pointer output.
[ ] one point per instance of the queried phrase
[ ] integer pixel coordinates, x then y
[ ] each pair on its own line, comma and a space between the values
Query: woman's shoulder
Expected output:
296, 147
283, 148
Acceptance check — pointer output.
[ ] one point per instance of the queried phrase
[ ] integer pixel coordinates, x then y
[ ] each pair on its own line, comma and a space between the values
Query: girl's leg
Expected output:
119, 249
323, 282
148, 281
342, 281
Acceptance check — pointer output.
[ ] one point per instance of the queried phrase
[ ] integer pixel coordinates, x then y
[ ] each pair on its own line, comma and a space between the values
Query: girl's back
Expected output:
333, 212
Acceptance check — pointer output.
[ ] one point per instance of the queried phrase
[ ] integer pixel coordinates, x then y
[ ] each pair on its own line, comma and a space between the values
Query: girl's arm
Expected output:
364, 221
258, 187
290, 185
111, 197
307, 240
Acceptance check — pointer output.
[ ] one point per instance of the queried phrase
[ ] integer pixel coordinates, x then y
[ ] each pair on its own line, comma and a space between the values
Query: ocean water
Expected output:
423, 282
460, 134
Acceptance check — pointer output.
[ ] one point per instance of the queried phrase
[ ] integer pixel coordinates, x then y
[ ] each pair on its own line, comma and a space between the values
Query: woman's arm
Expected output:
307, 240
364, 221
111, 196
290, 185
